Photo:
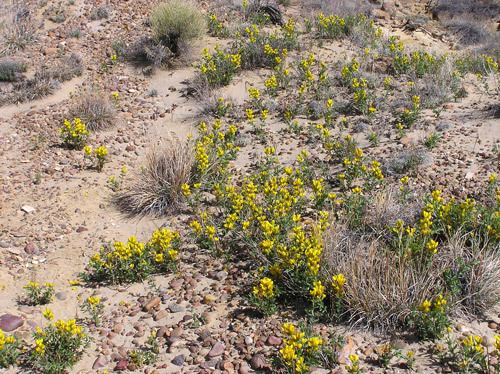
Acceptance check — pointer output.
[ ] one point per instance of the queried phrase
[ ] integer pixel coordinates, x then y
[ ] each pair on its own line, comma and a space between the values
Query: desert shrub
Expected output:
146, 354
405, 162
477, 64
36, 294
74, 134
216, 27
69, 67
158, 188
336, 27
11, 70
118, 263
9, 350
58, 346
95, 110
468, 32
176, 22
147, 51
101, 12
476, 9
217, 107
340, 7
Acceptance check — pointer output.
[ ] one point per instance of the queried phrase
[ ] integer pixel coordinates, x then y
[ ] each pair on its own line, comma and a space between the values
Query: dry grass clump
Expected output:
473, 8
176, 22
101, 12
158, 188
467, 31
405, 162
95, 110
11, 70
382, 288
19, 30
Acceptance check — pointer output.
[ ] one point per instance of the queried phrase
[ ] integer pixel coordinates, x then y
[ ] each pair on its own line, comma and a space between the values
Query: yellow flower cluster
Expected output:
265, 289
338, 282
74, 133
439, 305
6, 340
474, 343
297, 348
219, 68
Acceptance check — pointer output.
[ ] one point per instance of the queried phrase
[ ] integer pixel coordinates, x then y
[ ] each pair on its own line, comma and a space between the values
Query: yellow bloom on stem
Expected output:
425, 306
318, 291
48, 314
431, 246
338, 282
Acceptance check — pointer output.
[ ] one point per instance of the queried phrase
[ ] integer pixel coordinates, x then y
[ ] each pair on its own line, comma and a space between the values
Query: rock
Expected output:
61, 296
100, 362
248, 340
389, 7
118, 328
121, 365
10, 322
443, 126
27, 209
31, 248
160, 315
217, 349
178, 360
493, 325
151, 304
381, 14
177, 332
209, 299
273, 340
258, 362
81, 229
244, 368
221, 275
175, 308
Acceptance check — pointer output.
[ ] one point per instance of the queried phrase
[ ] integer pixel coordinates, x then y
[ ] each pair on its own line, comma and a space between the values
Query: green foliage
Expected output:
219, 68
74, 134
37, 294
146, 355
429, 320
9, 350
134, 261
58, 347
175, 22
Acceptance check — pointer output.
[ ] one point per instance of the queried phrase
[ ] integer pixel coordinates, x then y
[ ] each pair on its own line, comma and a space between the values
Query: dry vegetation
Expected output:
317, 192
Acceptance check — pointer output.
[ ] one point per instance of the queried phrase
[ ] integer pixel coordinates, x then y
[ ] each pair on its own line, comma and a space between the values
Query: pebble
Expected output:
100, 362
176, 308
151, 304
27, 209
258, 362
31, 248
217, 349
178, 360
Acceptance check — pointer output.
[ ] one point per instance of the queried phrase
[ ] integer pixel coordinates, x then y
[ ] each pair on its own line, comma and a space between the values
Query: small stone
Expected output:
178, 360
178, 331
118, 328
31, 248
10, 322
175, 308
273, 340
27, 209
248, 340
209, 299
121, 365
100, 362
217, 349
61, 295
493, 325
221, 275
160, 315
151, 304
81, 229
258, 361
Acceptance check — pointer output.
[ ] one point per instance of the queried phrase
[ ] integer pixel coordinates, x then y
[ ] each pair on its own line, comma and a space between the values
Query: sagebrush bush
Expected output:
147, 51
10, 70
176, 22
158, 188
95, 109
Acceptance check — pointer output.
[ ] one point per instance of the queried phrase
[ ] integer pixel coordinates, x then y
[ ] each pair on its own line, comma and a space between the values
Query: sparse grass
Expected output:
406, 162
468, 32
95, 109
19, 32
157, 190
175, 23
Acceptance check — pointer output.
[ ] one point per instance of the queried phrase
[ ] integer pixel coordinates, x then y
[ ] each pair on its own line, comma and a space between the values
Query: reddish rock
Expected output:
217, 349
10, 322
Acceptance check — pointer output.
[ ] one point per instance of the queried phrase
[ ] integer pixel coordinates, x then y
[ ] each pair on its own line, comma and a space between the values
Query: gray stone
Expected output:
10, 322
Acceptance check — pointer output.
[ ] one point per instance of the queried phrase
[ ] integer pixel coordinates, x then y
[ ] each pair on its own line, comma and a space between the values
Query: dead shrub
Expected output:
157, 190
19, 30
405, 162
467, 31
95, 110
146, 51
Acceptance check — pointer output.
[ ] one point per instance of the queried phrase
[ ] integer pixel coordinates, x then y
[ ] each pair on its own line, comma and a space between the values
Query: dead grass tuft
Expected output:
157, 190
95, 110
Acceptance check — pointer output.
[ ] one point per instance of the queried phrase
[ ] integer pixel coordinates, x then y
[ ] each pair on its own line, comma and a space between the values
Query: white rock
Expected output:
27, 209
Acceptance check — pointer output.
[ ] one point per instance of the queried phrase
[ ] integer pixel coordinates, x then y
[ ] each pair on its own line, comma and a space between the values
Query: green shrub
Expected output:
430, 320
9, 350
74, 134
175, 22
133, 261
37, 294
58, 346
